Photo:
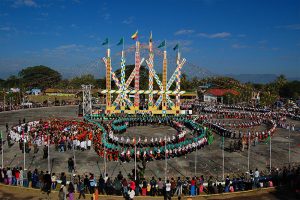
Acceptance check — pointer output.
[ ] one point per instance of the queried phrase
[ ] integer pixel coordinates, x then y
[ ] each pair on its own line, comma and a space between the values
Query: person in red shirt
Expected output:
17, 176
193, 187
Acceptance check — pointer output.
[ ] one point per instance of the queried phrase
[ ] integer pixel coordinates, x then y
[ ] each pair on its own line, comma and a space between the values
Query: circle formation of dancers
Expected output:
109, 137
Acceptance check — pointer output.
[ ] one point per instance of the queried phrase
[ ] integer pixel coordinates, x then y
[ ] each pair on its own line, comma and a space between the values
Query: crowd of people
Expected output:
106, 137
63, 134
117, 148
129, 186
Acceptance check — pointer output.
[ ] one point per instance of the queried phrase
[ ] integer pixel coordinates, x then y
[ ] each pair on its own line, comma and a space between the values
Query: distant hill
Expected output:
257, 78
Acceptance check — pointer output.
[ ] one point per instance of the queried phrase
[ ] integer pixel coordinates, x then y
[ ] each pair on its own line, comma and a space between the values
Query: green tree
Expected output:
39, 76
63, 84
144, 77
290, 90
86, 79
12, 81
101, 83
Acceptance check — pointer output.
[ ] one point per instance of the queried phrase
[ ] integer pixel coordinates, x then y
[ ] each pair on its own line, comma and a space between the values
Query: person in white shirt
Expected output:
54, 181
105, 178
168, 190
256, 177
89, 144
74, 143
9, 176
21, 176
78, 144
131, 193
82, 145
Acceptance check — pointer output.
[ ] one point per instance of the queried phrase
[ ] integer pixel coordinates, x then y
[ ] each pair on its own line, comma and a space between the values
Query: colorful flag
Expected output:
210, 138
121, 41
162, 44
176, 47
150, 39
135, 35
268, 140
105, 42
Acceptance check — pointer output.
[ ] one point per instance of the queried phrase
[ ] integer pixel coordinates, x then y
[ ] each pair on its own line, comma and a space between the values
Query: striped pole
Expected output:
137, 75
123, 77
164, 82
150, 103
108, 79
178, 82
151, 56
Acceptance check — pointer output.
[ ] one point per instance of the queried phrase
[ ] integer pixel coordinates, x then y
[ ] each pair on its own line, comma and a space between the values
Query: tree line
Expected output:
44, 77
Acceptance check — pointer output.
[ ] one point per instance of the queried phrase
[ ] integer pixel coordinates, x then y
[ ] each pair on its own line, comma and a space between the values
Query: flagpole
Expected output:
289, 144
166, 159
2, 163
223, 141
249, 144
74, 153
196, 161
24, 155
49, 168
104, 161
123, 43
135, 162
270, 151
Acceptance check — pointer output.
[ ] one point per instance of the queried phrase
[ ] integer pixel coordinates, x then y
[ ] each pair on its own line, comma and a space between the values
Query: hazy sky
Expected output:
224, 36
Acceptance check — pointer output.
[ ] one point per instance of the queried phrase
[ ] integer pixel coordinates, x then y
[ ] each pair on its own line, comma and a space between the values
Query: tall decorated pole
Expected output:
151, 58
137, 76
137, 71
122, 75
164, 79
177, 101
108, 76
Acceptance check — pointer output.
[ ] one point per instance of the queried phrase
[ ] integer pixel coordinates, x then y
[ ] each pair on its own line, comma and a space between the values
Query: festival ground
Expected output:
209, 159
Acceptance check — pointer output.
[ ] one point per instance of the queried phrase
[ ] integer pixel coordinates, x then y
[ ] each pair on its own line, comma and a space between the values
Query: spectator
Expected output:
131, 194
168, 190
71, 191
62, 194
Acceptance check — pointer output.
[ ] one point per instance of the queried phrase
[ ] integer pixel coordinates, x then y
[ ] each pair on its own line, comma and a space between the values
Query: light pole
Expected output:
74, 152
134, 161
270, 151
104, 161
196, 162
166, 159
2, 151
48, 145
289, 143
24, 153
249, 144
223, 155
